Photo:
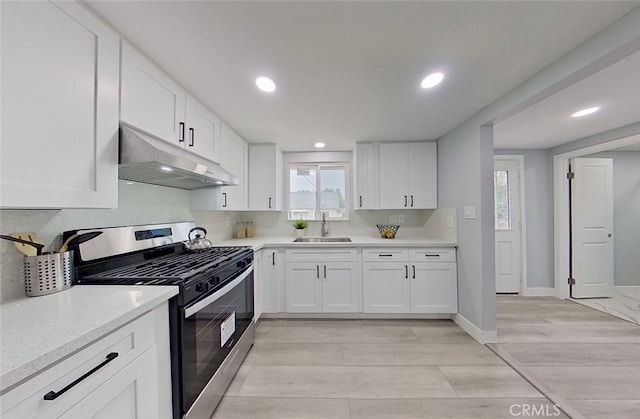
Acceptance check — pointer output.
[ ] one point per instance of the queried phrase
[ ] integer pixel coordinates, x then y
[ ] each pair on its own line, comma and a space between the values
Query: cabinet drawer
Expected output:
385, 254
129, 342
324, 254
432, 255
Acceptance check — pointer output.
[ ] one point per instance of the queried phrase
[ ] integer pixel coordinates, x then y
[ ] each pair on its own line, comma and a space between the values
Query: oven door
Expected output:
210, 329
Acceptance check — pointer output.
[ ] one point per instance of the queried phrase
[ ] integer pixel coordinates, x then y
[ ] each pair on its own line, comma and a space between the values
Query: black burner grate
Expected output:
182, 266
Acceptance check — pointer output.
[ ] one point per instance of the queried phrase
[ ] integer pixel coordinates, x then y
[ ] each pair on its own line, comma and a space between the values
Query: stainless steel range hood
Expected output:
147, 159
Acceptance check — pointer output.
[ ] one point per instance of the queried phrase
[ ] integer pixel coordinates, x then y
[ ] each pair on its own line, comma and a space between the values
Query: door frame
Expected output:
523, 220
562, 257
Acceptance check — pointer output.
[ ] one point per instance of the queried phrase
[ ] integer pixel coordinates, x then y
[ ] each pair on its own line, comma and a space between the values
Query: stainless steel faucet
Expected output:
324, 232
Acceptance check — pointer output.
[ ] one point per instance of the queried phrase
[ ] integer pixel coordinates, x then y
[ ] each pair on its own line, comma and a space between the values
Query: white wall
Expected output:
626, 215
538, 177
466, 152
465, 179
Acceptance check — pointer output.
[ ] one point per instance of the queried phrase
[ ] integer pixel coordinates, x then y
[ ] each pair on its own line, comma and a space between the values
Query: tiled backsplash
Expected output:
147, 204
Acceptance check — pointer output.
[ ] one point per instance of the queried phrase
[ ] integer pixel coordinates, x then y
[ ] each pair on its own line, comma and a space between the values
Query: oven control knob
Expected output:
241, 263
202, 287
215, 280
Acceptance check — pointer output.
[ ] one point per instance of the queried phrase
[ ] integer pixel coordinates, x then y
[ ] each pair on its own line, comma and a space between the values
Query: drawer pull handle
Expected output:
52, 395
385, 255
432, 255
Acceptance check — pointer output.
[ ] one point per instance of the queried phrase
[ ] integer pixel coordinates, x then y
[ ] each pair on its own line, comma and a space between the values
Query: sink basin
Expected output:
322, 240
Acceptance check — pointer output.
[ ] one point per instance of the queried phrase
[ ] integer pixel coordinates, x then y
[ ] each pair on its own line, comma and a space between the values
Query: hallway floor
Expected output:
369, 369
586, 361
625, 303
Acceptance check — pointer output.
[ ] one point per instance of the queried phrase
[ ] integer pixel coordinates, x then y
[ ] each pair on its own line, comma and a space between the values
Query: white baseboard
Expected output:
482, 336
539, 292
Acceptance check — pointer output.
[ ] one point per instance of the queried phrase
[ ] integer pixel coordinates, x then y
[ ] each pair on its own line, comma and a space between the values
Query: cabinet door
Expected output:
59, 131
385, 287
434, 288
393, 176
340, 287
265, 177
234, 158
150, 99
367, 181
423, 175
271, 284
303, 287
202, 130
257, 285
130, 394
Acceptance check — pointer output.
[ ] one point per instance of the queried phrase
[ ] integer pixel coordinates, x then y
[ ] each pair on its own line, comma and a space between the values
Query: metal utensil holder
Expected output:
48, 273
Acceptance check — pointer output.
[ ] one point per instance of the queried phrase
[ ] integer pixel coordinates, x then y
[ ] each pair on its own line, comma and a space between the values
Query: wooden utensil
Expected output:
24, 244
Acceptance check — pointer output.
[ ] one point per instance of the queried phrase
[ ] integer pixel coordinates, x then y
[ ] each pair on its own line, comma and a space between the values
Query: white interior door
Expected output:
506, 179
592, 227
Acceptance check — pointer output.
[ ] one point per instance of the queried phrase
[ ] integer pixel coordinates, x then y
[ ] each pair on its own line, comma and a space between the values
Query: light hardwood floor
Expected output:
374, 369
585, 360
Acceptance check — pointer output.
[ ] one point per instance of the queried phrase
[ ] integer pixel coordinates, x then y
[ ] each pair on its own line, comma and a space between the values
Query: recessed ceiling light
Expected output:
130, 183
265, 84
585, 112
319, 145
166, 169
431, 80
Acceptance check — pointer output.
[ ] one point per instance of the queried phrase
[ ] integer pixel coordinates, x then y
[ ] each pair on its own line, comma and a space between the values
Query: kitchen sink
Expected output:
322, 240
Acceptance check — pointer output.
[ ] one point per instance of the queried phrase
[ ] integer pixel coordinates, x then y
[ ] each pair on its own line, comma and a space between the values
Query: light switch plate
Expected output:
449, 221
393, 219
400, 218
470, 213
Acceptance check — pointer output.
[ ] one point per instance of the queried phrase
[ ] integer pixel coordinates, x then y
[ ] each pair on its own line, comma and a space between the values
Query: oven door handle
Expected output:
191, 310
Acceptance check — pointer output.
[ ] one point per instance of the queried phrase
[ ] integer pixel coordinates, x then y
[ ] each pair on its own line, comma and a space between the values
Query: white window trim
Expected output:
307, 159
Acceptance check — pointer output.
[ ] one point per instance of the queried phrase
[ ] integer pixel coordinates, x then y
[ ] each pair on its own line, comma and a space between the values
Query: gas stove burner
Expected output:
175, 266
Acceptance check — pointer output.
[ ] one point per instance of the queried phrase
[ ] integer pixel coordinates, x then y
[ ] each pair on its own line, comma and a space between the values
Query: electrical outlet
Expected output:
227, 221
393, 219
400, 218
449, 221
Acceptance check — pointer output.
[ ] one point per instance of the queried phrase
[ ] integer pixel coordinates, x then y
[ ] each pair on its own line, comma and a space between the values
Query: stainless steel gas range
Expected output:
211, 319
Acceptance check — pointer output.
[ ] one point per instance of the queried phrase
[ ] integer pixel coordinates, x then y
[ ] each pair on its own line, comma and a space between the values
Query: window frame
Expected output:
345, 165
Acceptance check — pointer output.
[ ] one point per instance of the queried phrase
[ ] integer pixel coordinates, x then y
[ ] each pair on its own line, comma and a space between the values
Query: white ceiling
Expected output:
615, 89
350, 71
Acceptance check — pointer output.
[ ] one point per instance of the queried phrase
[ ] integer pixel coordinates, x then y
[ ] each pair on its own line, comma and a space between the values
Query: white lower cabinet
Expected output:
322, 281
130, 394
125, 374
257, 285
270, 281
421, 280
386, 287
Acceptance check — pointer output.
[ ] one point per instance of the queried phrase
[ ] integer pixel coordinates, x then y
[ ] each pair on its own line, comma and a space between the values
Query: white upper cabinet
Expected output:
367, 181
153, 102
203, 130
408, 175
59, 134
265, 177
151, 99
235, 156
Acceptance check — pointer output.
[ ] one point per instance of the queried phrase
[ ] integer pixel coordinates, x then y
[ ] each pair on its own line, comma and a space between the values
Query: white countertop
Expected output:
356, 241
39, 331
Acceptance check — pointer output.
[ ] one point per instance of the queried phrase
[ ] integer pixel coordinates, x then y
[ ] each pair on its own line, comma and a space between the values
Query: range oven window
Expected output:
209, 335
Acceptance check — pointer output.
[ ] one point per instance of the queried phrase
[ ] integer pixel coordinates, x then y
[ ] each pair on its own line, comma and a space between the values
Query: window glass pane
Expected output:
332, 196
502, 199
302, 192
